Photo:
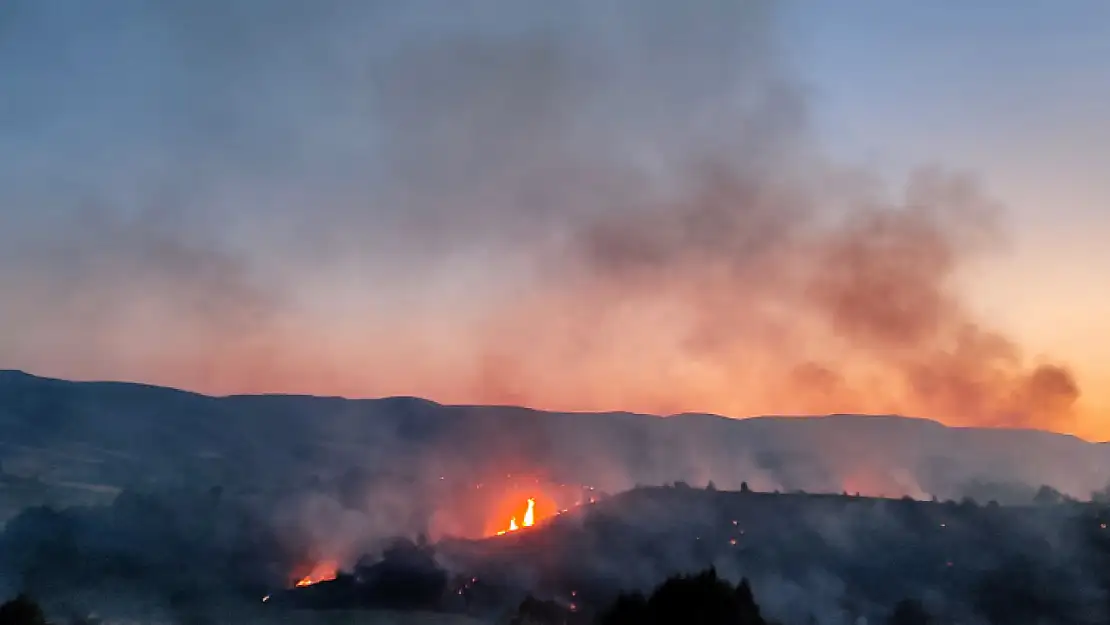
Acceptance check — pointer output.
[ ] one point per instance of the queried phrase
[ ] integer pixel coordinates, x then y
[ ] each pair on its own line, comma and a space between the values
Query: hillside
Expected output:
85, 441
840, 557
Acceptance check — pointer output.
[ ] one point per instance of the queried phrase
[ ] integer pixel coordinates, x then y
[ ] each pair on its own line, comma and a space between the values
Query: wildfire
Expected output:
322, 572
529, 518
530, 513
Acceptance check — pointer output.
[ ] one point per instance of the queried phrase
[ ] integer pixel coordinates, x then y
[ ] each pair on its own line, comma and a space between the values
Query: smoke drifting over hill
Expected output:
600, 205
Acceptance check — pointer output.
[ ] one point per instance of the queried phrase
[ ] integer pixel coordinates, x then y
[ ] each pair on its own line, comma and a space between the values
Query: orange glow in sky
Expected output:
546, 222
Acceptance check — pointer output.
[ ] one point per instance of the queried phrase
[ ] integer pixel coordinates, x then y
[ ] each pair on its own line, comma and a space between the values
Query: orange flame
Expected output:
530, 514
322, 572
529, 518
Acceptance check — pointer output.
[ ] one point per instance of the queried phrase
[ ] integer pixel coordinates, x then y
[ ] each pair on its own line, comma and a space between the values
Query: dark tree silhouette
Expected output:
407, 577
1093, 532
1048, 496
162, 544
1020, 592
702, 599
628, 609
21, 611
746, 605
532, 611
909, 612
1099, 496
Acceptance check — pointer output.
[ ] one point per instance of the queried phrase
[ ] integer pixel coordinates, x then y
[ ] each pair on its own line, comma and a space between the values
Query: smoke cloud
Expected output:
589, 206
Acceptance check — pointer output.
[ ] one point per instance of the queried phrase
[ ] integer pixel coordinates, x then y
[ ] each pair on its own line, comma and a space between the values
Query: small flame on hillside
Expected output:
322, 572
529, 519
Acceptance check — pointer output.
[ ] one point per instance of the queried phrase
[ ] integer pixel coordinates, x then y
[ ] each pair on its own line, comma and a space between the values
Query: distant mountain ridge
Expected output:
123, 435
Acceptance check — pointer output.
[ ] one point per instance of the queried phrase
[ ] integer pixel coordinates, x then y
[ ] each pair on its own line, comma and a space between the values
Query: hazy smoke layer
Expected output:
573, 205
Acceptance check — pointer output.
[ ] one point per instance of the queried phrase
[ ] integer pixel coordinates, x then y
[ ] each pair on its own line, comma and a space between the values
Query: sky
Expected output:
1014, 92
736, 207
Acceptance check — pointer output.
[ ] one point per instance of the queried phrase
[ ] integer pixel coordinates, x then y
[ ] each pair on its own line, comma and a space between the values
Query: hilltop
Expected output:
89, 440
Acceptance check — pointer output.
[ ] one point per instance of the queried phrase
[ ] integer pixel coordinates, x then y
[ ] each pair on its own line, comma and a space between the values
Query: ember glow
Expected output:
529, 518
322, 572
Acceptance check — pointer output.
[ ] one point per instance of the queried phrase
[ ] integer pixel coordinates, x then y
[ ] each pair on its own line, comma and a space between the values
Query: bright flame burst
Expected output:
529, 518
322, 572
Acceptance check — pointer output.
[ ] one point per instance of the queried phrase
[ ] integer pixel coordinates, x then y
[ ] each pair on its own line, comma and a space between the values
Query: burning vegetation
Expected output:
506, 504
574, 572
534, 511
321, 572
978, 557
528, 521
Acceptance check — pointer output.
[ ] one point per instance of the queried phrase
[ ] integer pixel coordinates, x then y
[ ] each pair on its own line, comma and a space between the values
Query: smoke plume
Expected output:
590, 206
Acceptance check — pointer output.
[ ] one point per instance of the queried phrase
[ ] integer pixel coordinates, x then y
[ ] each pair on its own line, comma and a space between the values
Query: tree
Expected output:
628, 609
746, 605
744, 487
1048, 496
711, 487
407, 577
1021, 591
702, 599
909, 612
22, 611
1098, 496
532, 611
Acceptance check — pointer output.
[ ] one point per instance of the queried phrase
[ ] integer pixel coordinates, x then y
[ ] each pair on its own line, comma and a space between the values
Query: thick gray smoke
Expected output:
585, 204
307, 482
574, 205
